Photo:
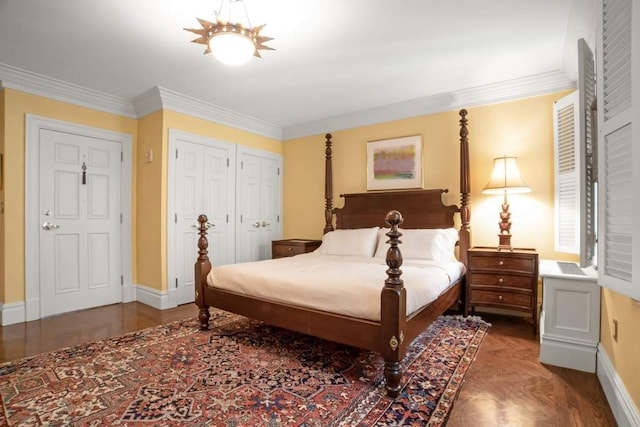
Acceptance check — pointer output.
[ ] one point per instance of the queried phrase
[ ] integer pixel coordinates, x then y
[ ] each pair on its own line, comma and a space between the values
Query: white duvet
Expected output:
338, 284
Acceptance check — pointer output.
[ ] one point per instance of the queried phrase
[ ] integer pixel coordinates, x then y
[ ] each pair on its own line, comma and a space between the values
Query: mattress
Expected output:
344, 285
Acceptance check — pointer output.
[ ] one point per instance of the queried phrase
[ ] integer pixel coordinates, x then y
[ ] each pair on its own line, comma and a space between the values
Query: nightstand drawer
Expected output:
522, 301
503, 263
287, 250
501, 280
291, 247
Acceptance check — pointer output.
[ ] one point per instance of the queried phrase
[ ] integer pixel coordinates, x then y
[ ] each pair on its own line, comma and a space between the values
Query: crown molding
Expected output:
152, 100
147, 102
48, 87
175, 101
158, 98
538, 84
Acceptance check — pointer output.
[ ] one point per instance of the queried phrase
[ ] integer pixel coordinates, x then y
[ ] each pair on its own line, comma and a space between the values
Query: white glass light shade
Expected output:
232, 48
505, 177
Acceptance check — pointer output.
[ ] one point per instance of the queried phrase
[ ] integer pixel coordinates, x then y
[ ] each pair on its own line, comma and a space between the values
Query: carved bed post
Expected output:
393, 310
202, 268
328, 187
465, 189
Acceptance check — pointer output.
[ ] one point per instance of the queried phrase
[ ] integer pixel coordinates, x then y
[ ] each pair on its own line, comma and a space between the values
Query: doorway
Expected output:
77, 217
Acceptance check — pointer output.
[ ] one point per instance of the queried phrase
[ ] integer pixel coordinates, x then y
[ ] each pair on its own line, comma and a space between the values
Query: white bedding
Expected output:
338, 284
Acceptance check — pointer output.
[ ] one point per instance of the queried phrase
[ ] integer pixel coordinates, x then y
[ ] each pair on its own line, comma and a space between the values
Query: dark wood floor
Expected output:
506, 385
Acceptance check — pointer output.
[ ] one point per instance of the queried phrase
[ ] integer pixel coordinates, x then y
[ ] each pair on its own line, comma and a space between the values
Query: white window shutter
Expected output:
586, 151
566, 170
619, 146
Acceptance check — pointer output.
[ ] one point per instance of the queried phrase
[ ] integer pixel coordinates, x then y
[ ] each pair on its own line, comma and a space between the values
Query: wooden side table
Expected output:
505, 279
291, 247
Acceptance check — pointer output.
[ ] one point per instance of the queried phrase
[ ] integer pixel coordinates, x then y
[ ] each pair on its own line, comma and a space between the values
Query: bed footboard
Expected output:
202, 268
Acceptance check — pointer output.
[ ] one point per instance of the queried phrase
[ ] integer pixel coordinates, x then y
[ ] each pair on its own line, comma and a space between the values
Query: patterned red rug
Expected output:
241, 373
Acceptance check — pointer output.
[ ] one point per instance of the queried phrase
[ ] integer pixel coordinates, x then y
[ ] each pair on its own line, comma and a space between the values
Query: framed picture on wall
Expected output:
394, 163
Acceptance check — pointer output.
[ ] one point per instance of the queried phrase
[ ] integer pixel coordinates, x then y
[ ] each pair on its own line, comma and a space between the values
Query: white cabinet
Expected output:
570, 319
259, 203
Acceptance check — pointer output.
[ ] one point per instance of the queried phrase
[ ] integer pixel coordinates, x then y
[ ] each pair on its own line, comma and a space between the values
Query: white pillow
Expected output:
354, 242
431, 244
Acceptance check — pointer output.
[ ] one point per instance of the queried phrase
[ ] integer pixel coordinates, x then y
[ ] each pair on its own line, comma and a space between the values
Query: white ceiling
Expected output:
333, 58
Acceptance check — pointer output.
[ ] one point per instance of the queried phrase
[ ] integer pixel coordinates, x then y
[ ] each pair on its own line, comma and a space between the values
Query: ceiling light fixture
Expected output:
231, 41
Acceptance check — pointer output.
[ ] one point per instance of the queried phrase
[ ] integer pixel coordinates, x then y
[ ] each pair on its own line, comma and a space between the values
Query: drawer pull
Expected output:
500, 262
289, 249
500, 298
500, 280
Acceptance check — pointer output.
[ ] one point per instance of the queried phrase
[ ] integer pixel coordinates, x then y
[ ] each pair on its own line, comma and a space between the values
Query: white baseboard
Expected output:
152, 297
12, 313
624, 410
19, 312
561, 352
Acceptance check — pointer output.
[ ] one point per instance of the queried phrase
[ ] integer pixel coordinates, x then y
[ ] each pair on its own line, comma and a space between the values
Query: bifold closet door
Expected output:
204, 184
258, 204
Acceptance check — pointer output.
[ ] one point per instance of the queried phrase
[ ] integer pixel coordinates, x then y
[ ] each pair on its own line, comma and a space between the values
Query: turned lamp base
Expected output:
505, 242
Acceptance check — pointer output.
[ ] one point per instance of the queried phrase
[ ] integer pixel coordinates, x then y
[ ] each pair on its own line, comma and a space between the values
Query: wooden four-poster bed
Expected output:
390, 330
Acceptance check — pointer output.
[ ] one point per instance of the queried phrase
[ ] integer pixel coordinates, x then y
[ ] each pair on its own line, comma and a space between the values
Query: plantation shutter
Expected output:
587, 152
618, 146
575, 174
566, 169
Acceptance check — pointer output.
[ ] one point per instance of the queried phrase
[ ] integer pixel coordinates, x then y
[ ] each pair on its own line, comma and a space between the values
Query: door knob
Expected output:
256, 224
209, 225
49, 226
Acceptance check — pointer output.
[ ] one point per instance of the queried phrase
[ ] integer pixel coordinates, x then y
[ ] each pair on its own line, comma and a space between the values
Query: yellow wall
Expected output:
625, 352
152, 196
150, 201
520, 128
149, 180
16, 106
179, 121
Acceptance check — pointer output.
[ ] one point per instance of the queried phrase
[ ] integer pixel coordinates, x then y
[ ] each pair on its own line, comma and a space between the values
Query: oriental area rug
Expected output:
239, 373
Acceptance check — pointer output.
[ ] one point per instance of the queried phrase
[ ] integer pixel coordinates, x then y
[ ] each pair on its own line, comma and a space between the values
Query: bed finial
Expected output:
465, 188
394, 257
328, 187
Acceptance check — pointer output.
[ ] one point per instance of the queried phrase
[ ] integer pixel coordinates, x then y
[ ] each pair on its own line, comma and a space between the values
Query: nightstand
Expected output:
291, 247
506, 279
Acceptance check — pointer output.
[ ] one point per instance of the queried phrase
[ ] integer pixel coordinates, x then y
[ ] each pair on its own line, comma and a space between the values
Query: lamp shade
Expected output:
232, 48
505, 177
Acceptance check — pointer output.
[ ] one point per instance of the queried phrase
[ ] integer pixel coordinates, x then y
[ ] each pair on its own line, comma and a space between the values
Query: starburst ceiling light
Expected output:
231, 41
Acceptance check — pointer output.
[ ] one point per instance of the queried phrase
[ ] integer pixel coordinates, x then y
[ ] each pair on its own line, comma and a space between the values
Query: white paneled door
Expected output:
259, 204
80, 214
203, 185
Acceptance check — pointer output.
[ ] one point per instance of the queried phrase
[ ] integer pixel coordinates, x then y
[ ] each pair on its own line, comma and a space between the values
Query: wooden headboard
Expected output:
419, 208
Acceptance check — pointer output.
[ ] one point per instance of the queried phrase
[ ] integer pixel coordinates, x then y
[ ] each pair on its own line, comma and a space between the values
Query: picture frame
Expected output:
394, 163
